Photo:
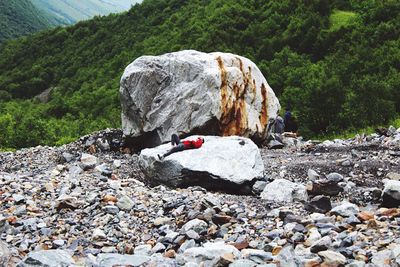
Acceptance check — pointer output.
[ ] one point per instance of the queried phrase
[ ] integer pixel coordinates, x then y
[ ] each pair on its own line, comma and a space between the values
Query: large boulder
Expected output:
223, 163
191, 92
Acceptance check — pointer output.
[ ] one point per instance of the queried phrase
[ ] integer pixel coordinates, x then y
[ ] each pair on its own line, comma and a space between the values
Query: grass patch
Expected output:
339, 19
7, 150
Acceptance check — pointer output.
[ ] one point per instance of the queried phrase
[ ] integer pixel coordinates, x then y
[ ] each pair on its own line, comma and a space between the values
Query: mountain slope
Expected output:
71, 11
20, 17
328, 73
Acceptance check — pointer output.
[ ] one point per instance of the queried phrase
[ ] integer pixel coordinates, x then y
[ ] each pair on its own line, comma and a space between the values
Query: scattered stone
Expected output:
332, 258
391, 194
345, 209
112, 259
48, 258
88, 161
5, 254
196, 225
393, 176
321, 204
282, 190
125, 203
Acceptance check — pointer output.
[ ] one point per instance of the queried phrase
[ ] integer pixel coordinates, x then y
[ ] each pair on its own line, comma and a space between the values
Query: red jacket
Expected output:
189, 144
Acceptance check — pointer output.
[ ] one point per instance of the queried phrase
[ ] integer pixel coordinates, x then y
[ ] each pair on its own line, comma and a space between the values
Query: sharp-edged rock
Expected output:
222, 163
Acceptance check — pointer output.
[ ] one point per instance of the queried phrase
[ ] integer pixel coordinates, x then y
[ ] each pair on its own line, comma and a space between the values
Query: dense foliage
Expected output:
336, 63
20, 17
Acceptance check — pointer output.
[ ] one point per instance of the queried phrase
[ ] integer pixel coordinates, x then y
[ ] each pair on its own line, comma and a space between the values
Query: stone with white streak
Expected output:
193, 92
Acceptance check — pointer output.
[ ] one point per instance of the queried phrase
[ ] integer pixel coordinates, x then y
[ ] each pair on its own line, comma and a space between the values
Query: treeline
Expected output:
21, 17
336, 63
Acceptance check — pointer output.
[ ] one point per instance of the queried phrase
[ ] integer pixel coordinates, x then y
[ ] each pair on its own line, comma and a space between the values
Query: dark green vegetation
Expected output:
20, 17
336, 64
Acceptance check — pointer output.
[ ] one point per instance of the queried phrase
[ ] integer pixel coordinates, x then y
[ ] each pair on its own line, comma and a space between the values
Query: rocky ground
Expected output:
88, 204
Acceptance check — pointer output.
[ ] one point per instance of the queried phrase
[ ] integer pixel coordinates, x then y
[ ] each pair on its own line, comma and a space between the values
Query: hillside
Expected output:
72, 11
20, 17
325, 59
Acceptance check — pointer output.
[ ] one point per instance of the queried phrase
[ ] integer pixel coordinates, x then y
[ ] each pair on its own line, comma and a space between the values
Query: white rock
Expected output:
186, 91
143, 250
333, 258
125, 203
346, 209
98, 234
232, 159
282, 190
209, 251
5, 254
48, 258
113, 259
196, 225
88, 161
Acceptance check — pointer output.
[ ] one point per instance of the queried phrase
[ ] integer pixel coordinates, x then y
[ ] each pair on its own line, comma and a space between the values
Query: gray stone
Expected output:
143, 250
321, 245
282, 190
111, 209
196, 225
332, 258
250, 253
48, 258
74, 171
312, 175
346, 209
209, 251
98, 234
68, 157
321, 204
287, 257
192, 235
189, 91
259, 186
112, 259
335, 177
159, 247
186, 245
391, 194
88, 161
125, 203
383, 258
5, 254
103, 169
356, 264
243, 263
58, 243
393, 176
221, 163
18, 198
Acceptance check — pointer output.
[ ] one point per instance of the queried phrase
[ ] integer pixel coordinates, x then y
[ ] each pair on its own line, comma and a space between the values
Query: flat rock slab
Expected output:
222, 163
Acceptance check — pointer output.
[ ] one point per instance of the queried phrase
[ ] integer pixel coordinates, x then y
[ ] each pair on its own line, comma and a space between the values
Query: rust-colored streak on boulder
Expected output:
224, 89
264, 106
233, 107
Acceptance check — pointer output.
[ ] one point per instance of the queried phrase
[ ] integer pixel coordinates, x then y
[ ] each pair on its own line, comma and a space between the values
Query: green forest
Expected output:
335, 62
21, 17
